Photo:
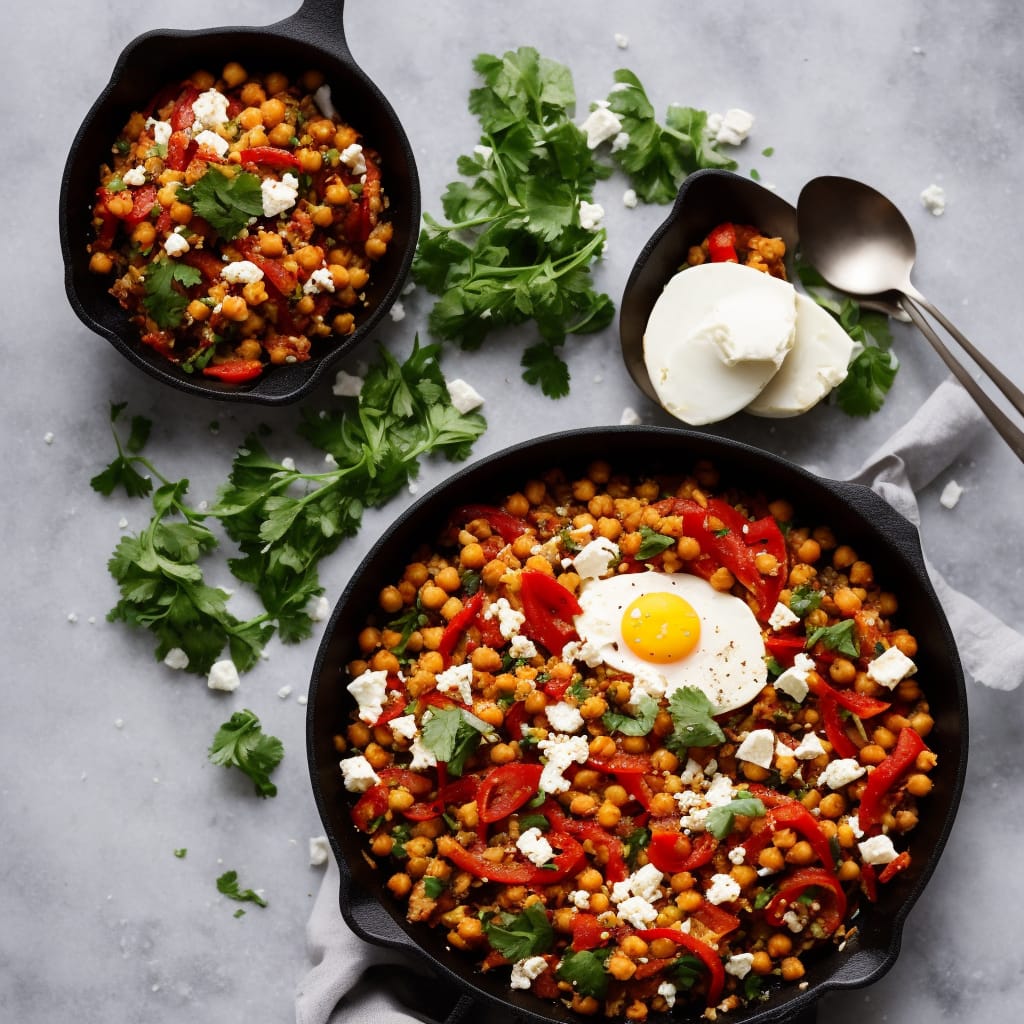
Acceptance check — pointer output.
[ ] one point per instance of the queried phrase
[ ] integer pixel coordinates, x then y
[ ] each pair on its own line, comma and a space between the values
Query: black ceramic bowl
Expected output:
857, 515
311, 39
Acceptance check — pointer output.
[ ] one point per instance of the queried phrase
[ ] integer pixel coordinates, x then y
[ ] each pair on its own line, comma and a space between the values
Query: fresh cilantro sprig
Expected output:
162, 300
692, 720
838, 637
652, 543
452, 735
722, 818
283, 521
227, 885
584, 970
639, 724
513, 249
805, 599
241, 743
872, 370
517, 936
226, 201
658, 157
122, 472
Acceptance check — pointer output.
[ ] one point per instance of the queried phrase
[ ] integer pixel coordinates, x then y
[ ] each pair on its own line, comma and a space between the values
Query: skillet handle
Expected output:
319, 21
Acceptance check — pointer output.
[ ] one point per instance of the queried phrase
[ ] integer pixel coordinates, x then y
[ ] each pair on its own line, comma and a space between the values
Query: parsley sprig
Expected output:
227, 885
513, 249
692, 720
241, 743
282, 520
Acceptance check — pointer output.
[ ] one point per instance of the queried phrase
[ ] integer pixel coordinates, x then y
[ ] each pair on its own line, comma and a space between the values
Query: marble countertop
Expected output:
104, 750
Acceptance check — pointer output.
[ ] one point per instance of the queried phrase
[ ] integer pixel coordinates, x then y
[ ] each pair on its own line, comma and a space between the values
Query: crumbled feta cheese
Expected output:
629, 199
463, 396
285, 692
241, 272
564, 717
629, 417
524, 971
645, 882
509, 619
369, 690
397, 312
358, 774
758, 748
534, 847
732, 127
161, 130
621, 41
318, 851
324, 103
620, 142
175, 658
591, 215
854, 822
877, 850
210, 109
782, 616
890, 667
321, 280
223, 676
347, 385
737, 855
135, 176
950, 494
404, 725
694, 807
279, 196
48, 437
422, 756
318, 608
667, 991
723, 889
637, 912
600, 125
739, 964
841, 772
791, 919
793, 681
458, 678
595, 558
560, 751
808, 748
176, 245
647, 683
933, 198
522, 647
211, 140
580, 899
352, 157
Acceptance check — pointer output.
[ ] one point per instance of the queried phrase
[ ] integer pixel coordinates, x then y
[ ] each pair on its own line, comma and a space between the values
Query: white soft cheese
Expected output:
817, 363
321, 280
877, 850
241, 272
176, 245
933, 199
210, 109
160, 130
890, 667
591, 215
318, 608
347, 385
524, 971
464, 397
318, 851
559, 752
458, 678
534, 847
841, 773
645, 882
422, 757
808, 748
324, 103
358, 774
279, 196
135, 176
600, 125
732, 127
404, 725
716, 336
223, 676
354, 159
782, 616
595, 558
176, 658
723, 889
509, 618
793, 681
758, 748
739, 964
211, 140
637, 912
522, 648
630, 199
667, 991
950, 495
564, 717
369, 690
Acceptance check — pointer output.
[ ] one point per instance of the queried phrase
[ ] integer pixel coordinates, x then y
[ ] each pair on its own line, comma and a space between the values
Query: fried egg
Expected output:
670, 630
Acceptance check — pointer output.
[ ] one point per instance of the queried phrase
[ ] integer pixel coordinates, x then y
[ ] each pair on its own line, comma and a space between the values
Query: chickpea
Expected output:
801, 853
792, 969
608, 815
503, 753
832, 806
688, 548
382, 844
100, 263
922, 723
357, 277
843, 557
689, 900
181, 213
801, 574
273, 111
664, 804
337, 194
620, 967
255, 293
634, 947
809, 551
400, 800
306, 304
848, 871
919, 785
781, 510
250, 118
722, 580
234, 307
309, 257
779, 945
744, 875
663, 760
772, 858
385, 661
846, 601
233, 74
375, 248
271, 243
432, 597
593, 707
144, 234
120, 205
883, 737
766, 564
762, 963
842, 671
470, 929
400, 884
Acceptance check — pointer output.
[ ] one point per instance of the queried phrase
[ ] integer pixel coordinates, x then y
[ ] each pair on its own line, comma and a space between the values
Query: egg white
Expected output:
727, 664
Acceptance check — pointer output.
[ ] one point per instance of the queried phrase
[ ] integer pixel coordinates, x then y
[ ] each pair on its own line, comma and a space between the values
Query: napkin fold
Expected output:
353, 981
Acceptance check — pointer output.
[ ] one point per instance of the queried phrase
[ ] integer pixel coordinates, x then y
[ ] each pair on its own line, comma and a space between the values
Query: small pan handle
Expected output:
316, 21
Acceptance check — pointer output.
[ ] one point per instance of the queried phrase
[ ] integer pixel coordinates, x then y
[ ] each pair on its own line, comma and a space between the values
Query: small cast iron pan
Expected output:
313, 38
858, 516
705, 199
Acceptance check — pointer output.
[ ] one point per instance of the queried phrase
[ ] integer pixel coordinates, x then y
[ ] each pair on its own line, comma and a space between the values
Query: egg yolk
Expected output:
660, 627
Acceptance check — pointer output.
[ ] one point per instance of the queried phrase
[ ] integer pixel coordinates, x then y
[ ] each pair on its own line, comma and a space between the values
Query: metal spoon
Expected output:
861, 244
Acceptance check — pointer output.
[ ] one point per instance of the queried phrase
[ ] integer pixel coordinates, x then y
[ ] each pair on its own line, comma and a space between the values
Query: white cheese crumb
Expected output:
591, 215
621, 41
321, 280
791, 919
637, 912
464, 397
524, 971
877, 850
422, 756
667, 991
509, 619
397, 312
739, 964
176, 658
629, 417
560, 751
724, 889
285, 692
347, 385
620, 142
732, 127
841, 773
782, 616
404, 725
580, 899
890, 667
794, 680
358, 774
135, 176
369, 690
318, 608
318, 850
458, 678
950, 494
737, 855
302, 699
534, 847
600, 125
118, 723
210, 109
176, 245
211, 140
161, 130
595, 558
48, 437
322, 99
808, 748
564, 717
241, 272
522, 647
933, 198
629, 199
758, 748
279, 196
72, 617
352, 157
223, 676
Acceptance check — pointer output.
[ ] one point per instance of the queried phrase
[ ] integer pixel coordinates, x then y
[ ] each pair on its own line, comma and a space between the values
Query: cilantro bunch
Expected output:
282, 520
513, 249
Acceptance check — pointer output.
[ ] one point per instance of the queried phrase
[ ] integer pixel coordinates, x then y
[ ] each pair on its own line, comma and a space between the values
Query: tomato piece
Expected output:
506, 788
832, 912
458, 624
860, 704
587, 932
471, 859
143, 201
235, 372
886, 774
417, 784
271, 156
621, 763
549, 609
722, 244
183, 116
900, 863
615, 869
715, 919
708, 957
180, 148
835, 729
506, 525
371, 806
669, 854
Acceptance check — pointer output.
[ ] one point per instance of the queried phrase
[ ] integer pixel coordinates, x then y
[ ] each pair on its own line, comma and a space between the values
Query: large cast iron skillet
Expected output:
858, 516
313, 38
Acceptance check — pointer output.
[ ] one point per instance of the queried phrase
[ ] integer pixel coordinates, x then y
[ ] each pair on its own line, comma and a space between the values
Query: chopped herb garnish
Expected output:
227, 884
652, 543
692, 718
517, 936
838, 637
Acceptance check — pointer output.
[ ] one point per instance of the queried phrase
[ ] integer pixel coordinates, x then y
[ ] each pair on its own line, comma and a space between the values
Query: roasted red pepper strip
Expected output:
418, 785
799, 882
900, 863
621, 763
715, 919
615, 869
784, 648
722, 244
143, 201
458, 624
205, 262
369, 807
885, 776
235, 372
549, 609
179, 151
183, 116
784, 812
636, 786
587, 932
869, 881
461, 791
564, 863
271, 156
506, 525
860, 704
506, 788
284, 280
664, 853
835, 729
707, 956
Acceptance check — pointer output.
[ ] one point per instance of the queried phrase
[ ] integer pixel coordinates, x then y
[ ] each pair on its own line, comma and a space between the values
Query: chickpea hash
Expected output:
639, 743
239, 219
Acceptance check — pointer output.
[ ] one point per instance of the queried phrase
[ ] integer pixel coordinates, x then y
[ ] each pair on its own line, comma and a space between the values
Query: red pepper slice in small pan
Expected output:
549, 609
235, 372
271, 156
666, 854
722, 244
506, 788
707, 956
792, 888
887, 774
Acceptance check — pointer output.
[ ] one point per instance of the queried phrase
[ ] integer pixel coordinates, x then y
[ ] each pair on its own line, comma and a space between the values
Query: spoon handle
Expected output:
1001, 381
1010, 433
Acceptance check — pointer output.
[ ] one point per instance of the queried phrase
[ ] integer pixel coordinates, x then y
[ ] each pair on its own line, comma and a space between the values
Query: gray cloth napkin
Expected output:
351, 981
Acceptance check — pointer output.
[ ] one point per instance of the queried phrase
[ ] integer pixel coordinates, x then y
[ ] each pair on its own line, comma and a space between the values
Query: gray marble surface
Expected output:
100, 922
